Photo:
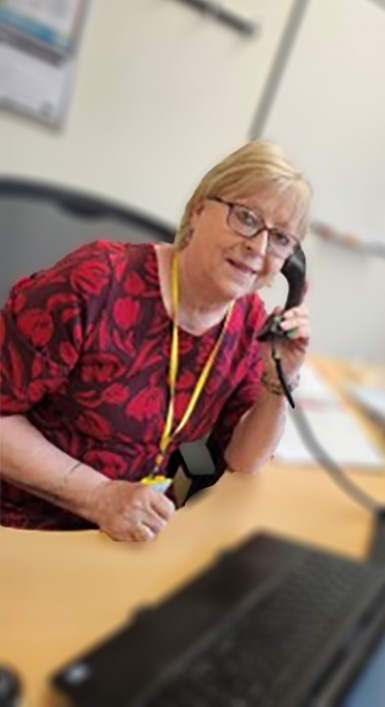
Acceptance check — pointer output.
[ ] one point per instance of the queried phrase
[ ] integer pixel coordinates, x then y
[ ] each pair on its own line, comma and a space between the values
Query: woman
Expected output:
119, 353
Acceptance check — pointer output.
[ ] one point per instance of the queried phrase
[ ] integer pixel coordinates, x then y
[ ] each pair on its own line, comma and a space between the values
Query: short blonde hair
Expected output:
257, 163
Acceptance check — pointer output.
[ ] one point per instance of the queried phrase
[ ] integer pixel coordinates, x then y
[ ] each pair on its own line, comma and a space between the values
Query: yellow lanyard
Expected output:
168, 434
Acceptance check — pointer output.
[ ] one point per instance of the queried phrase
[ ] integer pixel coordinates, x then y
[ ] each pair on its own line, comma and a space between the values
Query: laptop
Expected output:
272, 623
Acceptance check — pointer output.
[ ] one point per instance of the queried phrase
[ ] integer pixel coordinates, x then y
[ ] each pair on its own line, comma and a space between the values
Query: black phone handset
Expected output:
294, 270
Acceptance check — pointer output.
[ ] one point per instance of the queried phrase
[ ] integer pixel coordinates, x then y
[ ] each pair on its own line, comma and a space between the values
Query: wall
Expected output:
332, 98
329, 113
161, 93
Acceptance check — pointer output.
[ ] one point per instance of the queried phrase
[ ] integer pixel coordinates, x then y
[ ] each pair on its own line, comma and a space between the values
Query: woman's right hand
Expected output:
128, 511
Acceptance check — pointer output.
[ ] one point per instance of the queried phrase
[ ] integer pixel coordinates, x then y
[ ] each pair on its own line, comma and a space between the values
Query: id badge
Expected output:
159, 482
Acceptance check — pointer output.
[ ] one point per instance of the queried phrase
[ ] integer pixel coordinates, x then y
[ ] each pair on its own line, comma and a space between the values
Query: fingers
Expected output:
142, 534
297, 329
141, 528
152, 521
153, 512
131, 511
300, 311
148, 526
291, 315
296, 322
163, 506
150, 500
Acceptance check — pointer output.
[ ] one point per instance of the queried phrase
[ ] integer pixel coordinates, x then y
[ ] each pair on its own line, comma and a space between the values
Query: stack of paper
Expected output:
332, 424
313, 389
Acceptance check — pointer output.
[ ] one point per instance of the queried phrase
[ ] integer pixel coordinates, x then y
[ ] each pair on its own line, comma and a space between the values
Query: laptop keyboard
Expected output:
265, 647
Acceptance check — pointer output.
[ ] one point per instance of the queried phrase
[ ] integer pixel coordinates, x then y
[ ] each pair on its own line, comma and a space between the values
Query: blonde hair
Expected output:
237, 176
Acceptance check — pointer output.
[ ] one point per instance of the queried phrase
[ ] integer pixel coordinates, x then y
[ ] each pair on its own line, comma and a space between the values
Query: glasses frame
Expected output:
264, 227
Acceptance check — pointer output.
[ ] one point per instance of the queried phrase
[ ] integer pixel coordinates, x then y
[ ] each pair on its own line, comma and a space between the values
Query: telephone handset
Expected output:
294, 269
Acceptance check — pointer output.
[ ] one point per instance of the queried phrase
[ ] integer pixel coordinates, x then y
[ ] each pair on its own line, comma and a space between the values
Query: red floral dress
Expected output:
85, 356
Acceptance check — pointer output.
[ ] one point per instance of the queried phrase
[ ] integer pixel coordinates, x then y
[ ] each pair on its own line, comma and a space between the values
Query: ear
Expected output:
199, 206
197, 209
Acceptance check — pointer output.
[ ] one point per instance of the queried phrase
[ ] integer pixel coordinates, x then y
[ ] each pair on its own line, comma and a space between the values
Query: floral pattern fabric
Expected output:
85, 355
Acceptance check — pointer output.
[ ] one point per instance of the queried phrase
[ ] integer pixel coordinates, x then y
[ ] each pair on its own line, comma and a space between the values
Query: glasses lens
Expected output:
282, 244
248, 224
243, 221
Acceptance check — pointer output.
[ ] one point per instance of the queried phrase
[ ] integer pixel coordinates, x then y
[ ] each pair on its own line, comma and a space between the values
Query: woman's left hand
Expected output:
291, 348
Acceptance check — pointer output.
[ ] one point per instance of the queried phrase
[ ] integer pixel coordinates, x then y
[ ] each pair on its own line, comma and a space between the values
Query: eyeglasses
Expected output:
249, 224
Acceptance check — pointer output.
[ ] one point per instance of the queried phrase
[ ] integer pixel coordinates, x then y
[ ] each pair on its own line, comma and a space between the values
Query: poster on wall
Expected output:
39, 43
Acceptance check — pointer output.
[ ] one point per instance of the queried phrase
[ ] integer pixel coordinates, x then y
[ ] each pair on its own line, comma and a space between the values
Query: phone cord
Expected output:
339, 476
281, 376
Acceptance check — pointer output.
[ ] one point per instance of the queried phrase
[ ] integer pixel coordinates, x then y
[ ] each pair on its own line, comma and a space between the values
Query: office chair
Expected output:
44, 223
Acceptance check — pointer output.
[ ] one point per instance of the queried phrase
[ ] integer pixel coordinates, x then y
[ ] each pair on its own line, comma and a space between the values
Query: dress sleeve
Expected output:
44, 325
245, 394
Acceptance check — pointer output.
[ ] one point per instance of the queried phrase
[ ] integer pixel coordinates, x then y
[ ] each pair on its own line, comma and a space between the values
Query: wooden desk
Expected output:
61, 592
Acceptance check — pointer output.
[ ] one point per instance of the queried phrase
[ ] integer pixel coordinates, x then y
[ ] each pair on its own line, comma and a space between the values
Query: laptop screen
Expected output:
369, 687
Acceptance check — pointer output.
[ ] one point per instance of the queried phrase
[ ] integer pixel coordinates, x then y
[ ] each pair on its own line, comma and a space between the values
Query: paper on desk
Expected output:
338, 434
335, 429
371, 399
313, 388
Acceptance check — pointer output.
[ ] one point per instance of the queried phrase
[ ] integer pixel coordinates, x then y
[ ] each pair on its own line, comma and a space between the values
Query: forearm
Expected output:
256, 436
31, 462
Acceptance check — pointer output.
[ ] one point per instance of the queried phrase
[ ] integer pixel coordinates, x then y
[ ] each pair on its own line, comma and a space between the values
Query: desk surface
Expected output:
61, 592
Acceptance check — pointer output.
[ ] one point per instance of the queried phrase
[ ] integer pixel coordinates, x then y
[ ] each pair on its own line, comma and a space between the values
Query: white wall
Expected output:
332, 97
162, 92
329, 114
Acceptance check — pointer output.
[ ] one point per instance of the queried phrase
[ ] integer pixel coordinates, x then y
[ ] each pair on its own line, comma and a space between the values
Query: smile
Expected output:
241, 267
